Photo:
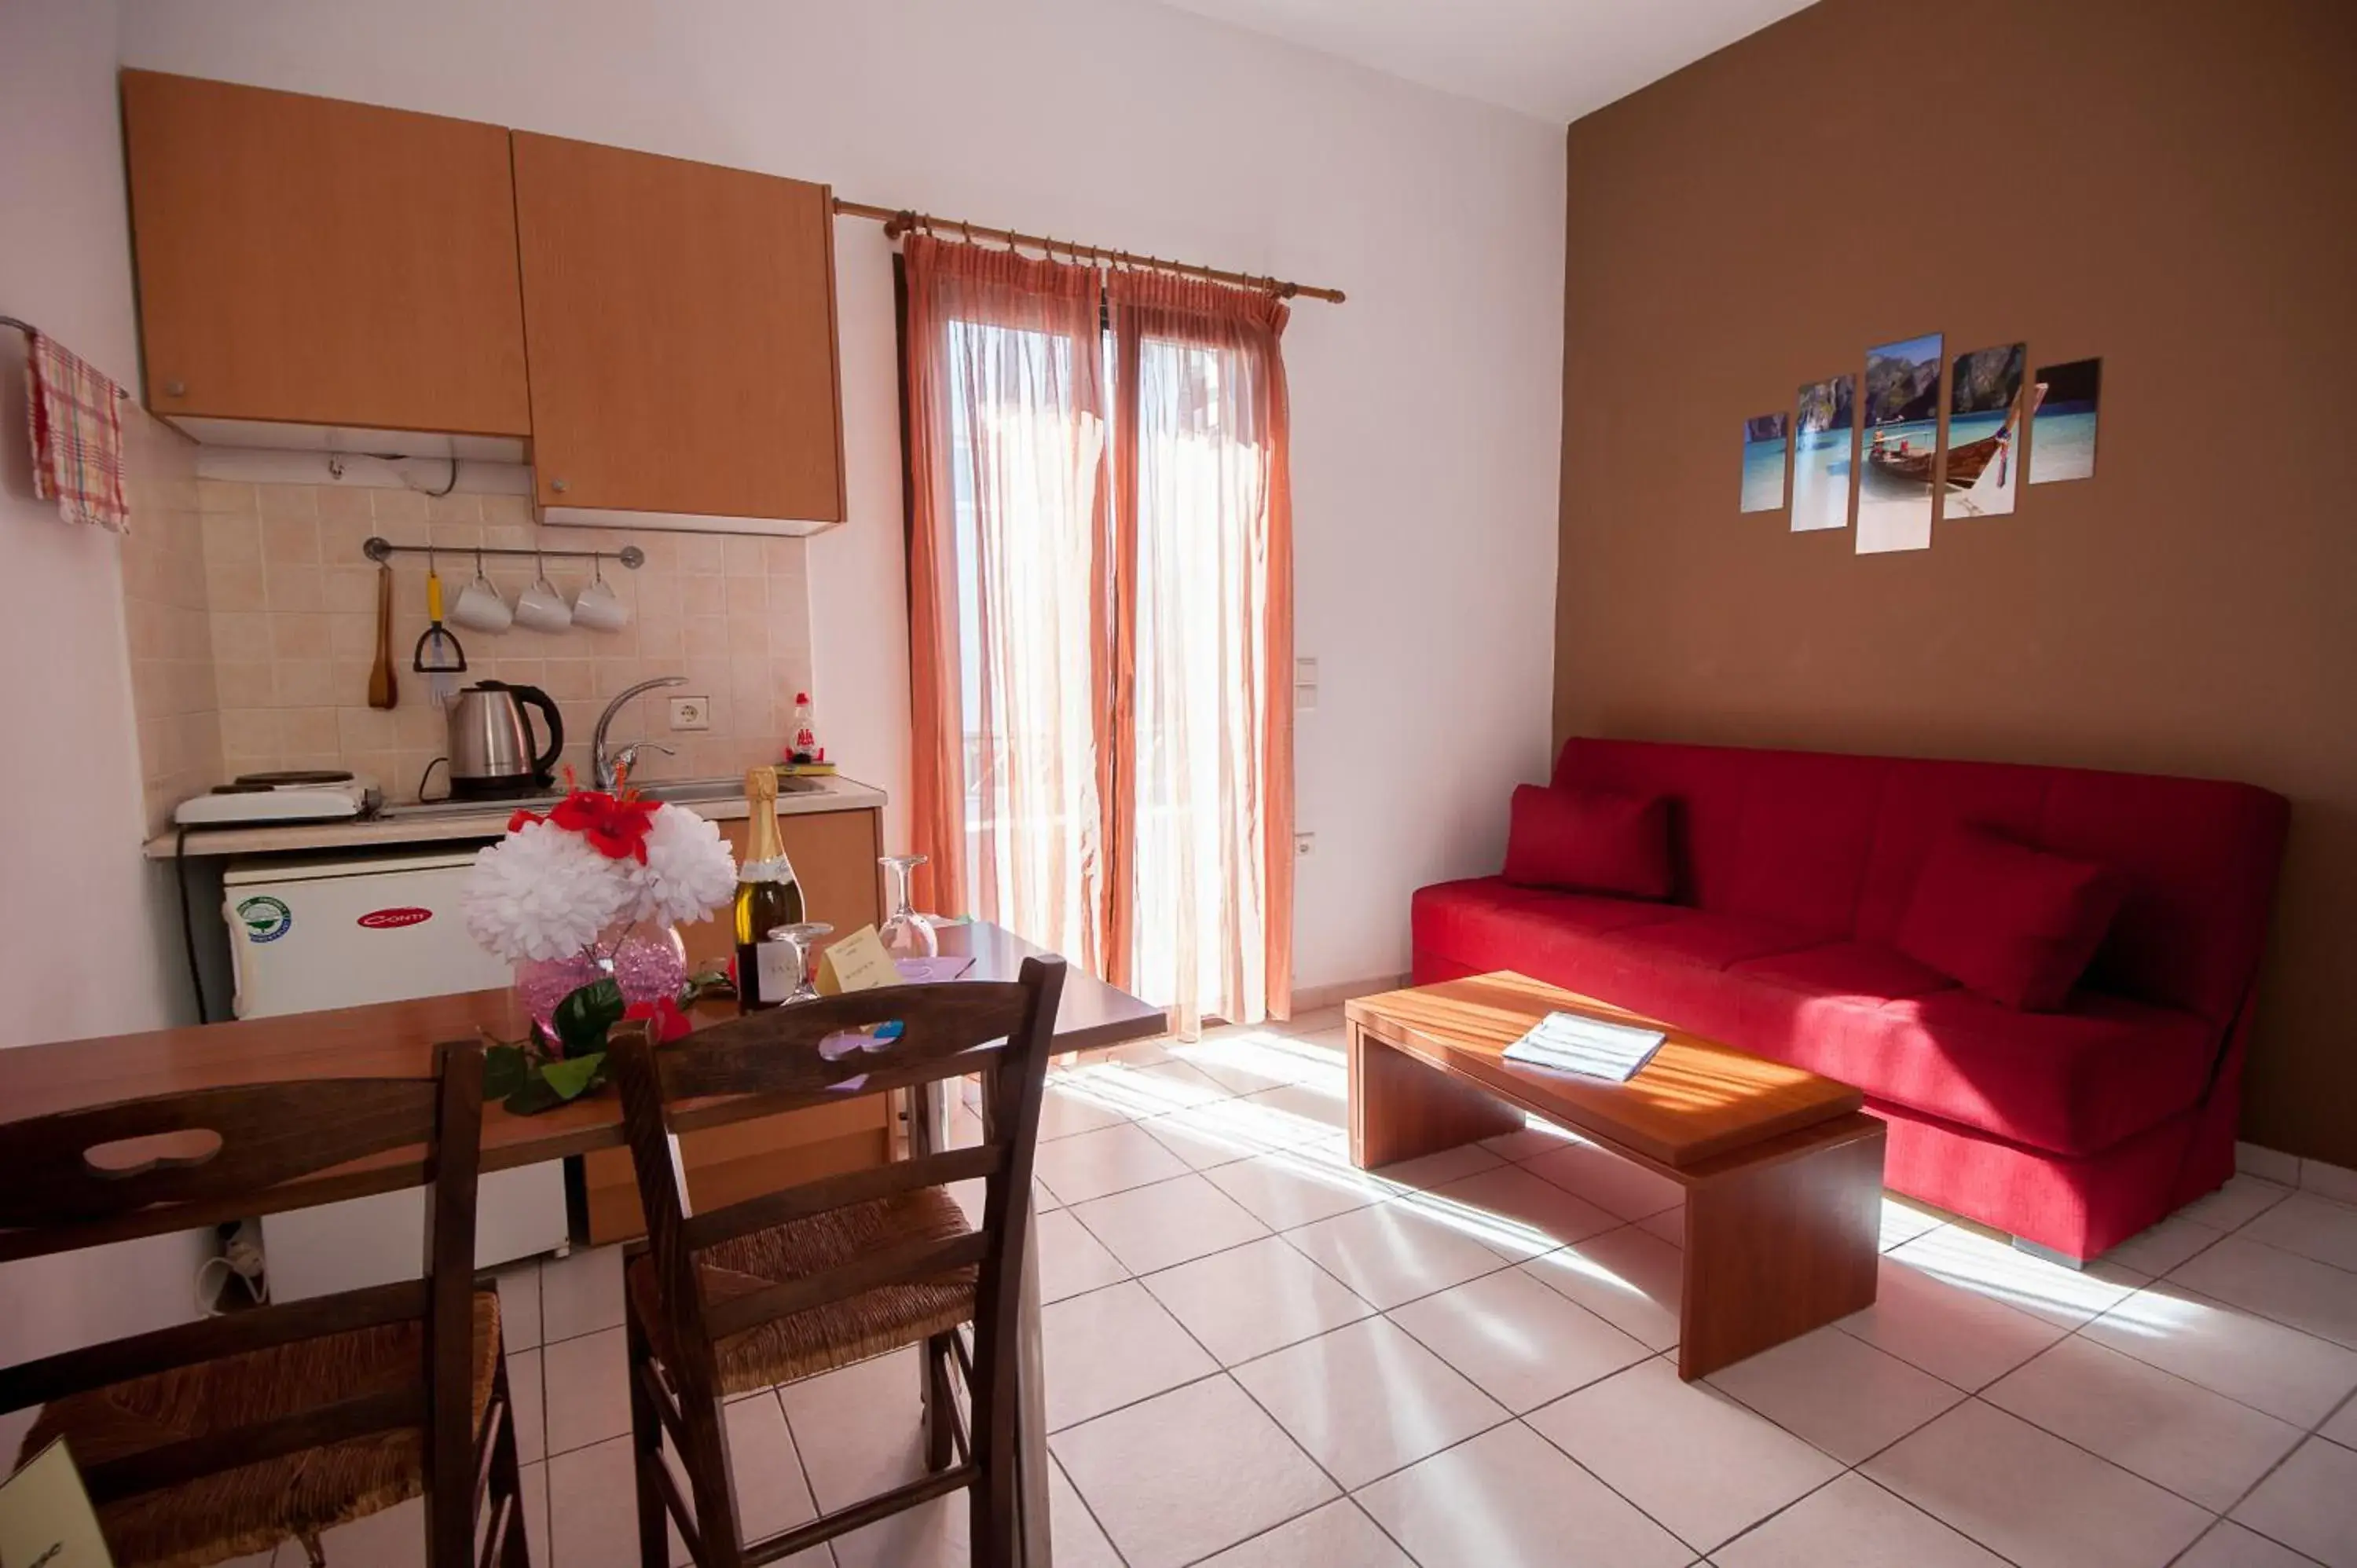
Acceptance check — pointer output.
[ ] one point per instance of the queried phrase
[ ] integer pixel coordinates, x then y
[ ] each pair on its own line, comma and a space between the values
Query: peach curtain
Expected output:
1008, 589
1200, 906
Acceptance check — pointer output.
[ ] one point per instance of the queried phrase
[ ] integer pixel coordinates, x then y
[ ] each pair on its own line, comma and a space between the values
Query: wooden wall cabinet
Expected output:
315, 262
833, 855
679, 319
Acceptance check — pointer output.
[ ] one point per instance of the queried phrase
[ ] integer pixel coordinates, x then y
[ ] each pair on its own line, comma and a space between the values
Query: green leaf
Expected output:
575, 1075
504, 1070
534, 1098
583, 1017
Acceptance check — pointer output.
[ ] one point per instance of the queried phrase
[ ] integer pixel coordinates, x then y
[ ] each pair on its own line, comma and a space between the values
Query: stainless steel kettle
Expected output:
491, 755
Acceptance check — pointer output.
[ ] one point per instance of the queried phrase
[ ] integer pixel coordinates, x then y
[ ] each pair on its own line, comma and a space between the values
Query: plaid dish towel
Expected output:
77, 425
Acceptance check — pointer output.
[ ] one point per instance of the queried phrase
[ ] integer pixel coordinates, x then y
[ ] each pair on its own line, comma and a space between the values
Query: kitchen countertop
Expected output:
829, 794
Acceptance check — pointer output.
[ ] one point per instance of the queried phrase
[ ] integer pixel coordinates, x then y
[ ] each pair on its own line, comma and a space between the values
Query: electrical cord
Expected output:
188, 923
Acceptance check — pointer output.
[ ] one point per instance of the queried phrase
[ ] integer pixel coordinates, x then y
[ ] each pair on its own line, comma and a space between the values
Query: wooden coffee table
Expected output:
1782, 1170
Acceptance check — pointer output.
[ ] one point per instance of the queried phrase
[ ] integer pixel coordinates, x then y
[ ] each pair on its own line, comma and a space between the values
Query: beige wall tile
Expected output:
232, 536
399, 509
218, 494
287, 501
344, 502
289, 540
234, 585
349, 588
294, 637
741, 554
246, 683
311, 684
701, 594
294, 589
309, 732
249, 735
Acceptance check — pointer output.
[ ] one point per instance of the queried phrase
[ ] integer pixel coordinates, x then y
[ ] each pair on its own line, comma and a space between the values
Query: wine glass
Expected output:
802, 937
904, 933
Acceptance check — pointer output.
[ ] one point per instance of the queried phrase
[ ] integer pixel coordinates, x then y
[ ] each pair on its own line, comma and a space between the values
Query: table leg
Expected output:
1779, 1248
1400, 1108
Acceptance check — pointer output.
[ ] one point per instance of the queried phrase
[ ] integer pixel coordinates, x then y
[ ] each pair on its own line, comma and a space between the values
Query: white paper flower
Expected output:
689, 872
543, 893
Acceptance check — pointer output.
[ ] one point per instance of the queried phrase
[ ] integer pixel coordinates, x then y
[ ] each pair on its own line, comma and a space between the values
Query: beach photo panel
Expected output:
1984, 462
1824, 433
1900, 458
1763, 462
2062, 430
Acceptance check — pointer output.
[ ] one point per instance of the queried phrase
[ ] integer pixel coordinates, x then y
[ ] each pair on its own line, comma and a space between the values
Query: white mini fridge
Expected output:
306, 935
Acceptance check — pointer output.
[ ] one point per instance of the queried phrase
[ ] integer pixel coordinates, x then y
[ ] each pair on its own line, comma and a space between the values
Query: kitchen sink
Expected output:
686, 791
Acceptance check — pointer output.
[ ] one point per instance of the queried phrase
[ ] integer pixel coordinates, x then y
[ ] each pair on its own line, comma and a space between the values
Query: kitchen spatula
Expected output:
384, 691
439, 657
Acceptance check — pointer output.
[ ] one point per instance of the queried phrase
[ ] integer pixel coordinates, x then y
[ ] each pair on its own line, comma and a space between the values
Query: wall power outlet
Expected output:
690, 713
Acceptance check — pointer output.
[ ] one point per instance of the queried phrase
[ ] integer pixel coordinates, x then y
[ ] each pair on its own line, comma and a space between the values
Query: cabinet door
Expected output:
681, 323
833, 856
322, 262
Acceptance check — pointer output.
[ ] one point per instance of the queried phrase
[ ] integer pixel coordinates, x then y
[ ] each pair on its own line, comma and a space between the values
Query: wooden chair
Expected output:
794, 1282
215, 1439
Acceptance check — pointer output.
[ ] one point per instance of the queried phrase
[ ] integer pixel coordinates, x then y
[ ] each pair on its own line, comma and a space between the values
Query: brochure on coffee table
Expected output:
1592, 1047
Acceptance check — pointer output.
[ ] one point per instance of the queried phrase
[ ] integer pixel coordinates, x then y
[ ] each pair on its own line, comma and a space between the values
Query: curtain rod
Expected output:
897, 221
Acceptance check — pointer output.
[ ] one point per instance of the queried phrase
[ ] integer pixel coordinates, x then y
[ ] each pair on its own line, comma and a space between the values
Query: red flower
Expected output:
615, 826
670, 1023
522, 817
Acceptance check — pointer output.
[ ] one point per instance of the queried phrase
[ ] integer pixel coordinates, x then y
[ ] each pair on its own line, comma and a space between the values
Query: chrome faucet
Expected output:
601, 765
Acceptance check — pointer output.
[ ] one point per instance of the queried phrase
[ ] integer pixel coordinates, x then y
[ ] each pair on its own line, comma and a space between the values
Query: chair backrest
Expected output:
78, 1179
1004, 1031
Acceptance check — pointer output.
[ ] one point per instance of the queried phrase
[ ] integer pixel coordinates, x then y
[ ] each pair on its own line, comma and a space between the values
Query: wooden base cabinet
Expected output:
834, 857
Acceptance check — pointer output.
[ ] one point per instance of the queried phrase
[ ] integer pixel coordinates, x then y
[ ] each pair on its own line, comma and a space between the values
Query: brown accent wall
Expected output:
2168, 184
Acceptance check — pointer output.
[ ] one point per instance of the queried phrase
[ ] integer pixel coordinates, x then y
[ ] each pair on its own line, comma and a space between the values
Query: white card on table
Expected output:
1592, 1047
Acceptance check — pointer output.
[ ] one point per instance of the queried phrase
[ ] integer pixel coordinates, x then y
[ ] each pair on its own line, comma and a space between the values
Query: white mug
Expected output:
599, 609
481, 607
541, 608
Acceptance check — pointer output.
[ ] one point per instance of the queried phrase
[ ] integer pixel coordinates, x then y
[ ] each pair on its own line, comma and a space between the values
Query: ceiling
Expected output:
1557, 59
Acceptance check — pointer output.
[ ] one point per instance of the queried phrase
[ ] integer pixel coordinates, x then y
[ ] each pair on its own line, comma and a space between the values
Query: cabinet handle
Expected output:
557, 485
176, 389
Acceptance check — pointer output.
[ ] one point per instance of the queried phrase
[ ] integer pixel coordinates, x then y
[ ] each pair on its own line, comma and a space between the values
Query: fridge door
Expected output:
309, 935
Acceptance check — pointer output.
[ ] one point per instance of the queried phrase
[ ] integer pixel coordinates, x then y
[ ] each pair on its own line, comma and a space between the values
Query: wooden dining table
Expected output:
397, 1039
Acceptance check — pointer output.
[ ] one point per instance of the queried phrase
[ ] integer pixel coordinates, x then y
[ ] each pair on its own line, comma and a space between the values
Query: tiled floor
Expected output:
1259, 1357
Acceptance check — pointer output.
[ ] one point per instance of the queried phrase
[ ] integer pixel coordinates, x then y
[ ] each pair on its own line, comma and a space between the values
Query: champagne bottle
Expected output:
768, 897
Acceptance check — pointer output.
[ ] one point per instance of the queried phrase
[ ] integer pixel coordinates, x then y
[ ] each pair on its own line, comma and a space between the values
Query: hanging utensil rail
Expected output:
630, 556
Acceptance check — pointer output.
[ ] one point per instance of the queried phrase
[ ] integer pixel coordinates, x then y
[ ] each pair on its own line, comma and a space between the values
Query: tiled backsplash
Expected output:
166, 617
292, 605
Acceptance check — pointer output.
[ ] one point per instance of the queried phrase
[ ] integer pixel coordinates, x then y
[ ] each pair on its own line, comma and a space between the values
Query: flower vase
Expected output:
646, 961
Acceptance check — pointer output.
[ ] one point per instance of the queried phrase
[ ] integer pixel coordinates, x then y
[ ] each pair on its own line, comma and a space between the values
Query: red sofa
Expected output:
2074, 1129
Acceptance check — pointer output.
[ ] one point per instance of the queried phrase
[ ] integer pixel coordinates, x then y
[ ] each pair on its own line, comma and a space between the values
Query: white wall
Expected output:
1426, 409
78, 954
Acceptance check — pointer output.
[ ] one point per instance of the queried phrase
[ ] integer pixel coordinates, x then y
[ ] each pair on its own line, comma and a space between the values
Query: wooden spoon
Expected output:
383, 690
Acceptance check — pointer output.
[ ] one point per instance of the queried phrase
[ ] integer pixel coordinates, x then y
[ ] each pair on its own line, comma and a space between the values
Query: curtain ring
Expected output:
967, 229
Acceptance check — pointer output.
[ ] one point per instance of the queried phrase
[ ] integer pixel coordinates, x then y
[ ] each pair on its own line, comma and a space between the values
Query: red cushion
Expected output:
2012, 922
1489, 923
1713, 941
1848, 969
1589, 840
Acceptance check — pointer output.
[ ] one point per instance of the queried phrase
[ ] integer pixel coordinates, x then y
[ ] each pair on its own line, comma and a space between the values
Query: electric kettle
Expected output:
491, 755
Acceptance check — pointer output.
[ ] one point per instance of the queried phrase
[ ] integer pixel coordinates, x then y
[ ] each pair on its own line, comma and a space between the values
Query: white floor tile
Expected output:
1071, 1259
2229, 1545
859, 1429
1535, 1138
2199, 1445
1853, 1523
1171, 1222
1508, 1499
2338, 1183
2342, 1427
1338, 1535
2163, 1246
1956, 1335
1067, 1109
1607, 1181
1297, 1188
593, 1508
1188, 1474
1993, 1267
1248, 1060
2241, 1200
2275, 1284
1323, 1107
1313, 1021
1669, 1224
1632, 1279
1226, 1130
1904, 1219
2292, 1376
390, 1538
1093, 1164
931, 1536
767, 1473
1366, 1400
1513, 1213
2275, 1165
1703, 1465
582, 1294
1074, 1538
2034, 1499
519, 1285
1109, 1349
1389, 1253
2310, 1504
1252, 1299
1521, 1343
1837, 1391
531, 1413
1140, 1089
532, 1484
587, 1390
2311, 1226
1437, 1169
